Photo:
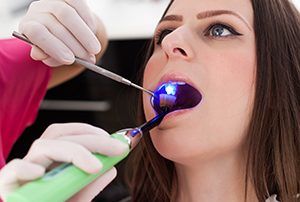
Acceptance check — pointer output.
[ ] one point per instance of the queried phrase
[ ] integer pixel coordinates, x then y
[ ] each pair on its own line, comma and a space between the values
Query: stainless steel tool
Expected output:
94, 68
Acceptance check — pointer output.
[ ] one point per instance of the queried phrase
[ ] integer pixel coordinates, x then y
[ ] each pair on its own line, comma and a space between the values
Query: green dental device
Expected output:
65, 180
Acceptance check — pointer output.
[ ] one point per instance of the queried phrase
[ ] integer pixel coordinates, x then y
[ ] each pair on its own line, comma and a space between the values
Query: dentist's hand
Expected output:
71, 142
61, 30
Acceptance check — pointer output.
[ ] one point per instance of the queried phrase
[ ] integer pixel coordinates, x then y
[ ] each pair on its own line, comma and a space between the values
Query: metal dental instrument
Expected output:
94, 68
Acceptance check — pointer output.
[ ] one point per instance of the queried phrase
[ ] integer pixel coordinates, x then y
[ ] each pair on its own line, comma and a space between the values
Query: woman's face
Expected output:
211, 46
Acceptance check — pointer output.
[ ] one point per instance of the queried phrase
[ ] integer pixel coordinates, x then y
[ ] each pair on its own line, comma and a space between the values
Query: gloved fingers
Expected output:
38, 54
73, 22
15, 173
45, 151
51, 62
65, 15
64, 35
85, 13
66, 129
54, 63
52, 46
105, 145
69, 18
90, 191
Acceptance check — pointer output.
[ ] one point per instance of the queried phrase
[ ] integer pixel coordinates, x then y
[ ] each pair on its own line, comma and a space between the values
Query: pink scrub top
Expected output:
23, 84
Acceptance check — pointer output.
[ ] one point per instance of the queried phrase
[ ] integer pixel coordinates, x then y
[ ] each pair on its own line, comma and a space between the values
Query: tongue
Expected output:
173, 96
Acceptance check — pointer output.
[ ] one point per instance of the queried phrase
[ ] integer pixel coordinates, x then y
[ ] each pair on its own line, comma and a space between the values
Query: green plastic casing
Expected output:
64, 181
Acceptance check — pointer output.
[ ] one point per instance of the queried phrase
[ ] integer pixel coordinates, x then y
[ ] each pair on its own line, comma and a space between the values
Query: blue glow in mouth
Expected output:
171, 96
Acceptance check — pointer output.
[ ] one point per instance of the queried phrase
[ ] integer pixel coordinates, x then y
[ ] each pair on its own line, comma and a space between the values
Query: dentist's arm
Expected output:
61, 30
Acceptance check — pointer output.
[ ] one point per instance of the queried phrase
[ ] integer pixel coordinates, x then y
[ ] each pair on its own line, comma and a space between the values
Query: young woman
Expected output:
242, 142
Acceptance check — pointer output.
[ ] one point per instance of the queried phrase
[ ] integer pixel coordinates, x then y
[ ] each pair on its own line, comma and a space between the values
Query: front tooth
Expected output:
167, 100
179, 82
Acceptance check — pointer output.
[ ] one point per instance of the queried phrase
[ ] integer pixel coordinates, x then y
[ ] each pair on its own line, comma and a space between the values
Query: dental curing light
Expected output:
64, 181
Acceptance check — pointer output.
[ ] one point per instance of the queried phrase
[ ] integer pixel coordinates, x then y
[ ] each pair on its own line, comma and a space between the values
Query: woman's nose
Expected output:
178, 44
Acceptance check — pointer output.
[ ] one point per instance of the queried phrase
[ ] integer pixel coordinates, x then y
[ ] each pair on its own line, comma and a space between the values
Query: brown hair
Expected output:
273, 160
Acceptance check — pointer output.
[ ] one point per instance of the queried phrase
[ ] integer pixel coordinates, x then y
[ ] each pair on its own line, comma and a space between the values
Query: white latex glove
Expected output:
70, 142
61, 30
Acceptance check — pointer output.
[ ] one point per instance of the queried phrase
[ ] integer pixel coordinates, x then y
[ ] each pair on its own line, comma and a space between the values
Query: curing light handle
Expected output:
64, 181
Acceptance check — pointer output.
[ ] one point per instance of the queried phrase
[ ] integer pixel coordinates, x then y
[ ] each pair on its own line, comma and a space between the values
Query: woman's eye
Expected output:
160, 35
219, 30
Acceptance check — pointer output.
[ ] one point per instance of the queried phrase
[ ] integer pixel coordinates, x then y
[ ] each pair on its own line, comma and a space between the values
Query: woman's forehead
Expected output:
194, 7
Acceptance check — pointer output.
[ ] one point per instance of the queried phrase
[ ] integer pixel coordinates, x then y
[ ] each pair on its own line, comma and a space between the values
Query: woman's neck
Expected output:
213, 180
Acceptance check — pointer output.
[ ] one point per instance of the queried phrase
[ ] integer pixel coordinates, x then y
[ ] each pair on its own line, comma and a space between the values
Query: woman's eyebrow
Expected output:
206, 14
177, 18
212, 13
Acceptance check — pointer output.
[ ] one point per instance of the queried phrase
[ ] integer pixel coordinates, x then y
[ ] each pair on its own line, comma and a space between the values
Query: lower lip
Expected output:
168, 118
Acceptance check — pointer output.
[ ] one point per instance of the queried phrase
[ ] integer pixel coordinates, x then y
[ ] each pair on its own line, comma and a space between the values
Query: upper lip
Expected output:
176, 77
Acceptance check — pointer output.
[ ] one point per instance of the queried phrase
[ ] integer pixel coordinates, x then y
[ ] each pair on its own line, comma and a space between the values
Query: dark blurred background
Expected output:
115, 104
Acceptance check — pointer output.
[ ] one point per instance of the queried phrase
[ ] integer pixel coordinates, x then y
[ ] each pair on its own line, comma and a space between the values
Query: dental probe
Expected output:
94, 68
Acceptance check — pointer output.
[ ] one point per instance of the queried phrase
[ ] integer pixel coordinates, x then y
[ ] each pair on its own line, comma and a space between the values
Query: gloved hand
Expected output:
70, 142
61, 30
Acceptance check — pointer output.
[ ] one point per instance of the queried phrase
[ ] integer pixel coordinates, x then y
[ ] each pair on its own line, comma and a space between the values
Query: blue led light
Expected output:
171, 89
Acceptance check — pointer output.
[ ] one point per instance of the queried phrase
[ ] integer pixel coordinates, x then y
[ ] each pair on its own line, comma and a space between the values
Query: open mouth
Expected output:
175, 95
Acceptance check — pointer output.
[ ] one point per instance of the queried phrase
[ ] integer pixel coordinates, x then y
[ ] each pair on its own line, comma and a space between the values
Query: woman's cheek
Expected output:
152, 70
